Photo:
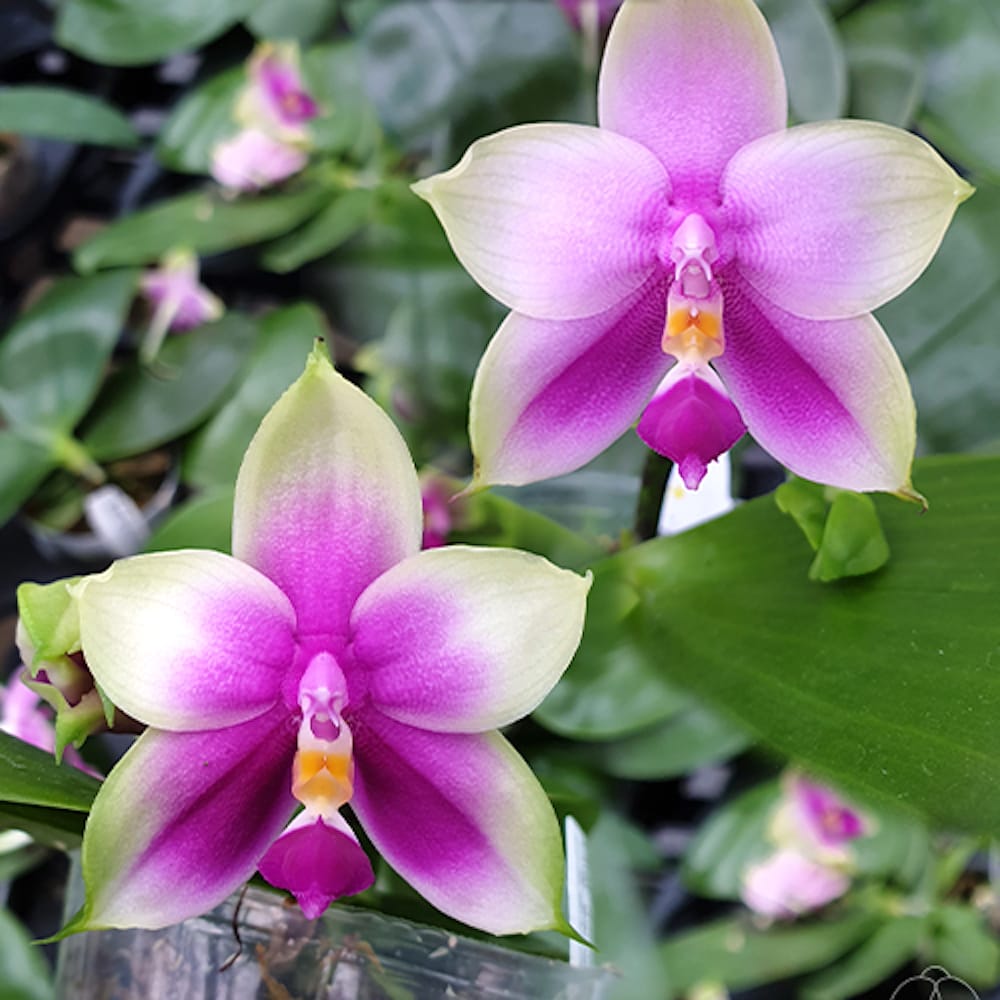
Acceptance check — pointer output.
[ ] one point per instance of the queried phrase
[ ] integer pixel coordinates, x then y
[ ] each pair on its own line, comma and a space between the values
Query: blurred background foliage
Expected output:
709, 659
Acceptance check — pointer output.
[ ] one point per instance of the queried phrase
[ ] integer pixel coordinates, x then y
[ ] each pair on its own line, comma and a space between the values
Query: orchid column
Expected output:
689, 250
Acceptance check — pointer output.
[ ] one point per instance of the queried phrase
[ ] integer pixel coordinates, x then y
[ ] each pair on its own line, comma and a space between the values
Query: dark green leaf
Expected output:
882, 953
54, 113
24, 973
805, 503
963, 942
853, 542
32, 777
735, 953
202, 222
132, 32
25, 464
694, 737
203, 118
885, 684
204, 522
345, 215
58, 828
140, 410
53, 358
284, 341
302, 20
811, 55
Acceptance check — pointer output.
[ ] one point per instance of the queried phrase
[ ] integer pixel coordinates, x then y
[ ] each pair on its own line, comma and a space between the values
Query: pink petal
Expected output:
833, 219
327, 498
551, 395
463, 820
186, 640
183, 819
829, 400
691, 420
555, 221
281, 84
465, 639
318, 860
830, 821
693, 81
252, 160
788, 884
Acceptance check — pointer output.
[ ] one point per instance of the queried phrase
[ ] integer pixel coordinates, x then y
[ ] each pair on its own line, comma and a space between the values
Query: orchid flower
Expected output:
440, 506
691, 234
274, 110
180, 302
788, 884
328, 662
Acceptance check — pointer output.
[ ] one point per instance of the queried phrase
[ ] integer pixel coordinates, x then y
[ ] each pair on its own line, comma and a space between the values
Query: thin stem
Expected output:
652, 489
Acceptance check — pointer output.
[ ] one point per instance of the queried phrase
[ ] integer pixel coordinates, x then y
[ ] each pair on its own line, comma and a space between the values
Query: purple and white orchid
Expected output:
692, 229
328, 662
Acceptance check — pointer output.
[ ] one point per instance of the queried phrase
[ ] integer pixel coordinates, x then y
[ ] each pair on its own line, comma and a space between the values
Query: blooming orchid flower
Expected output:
180, 302
788, 884
252, 160
815, 819
693, 233
328, 662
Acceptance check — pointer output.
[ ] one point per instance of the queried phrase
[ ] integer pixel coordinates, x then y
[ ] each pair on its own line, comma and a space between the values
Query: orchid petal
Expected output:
463, 820
788, 884
327, 498
693, 81
182, 821
556, 221
318, 859
833, 219
829, 399
186, 640
550, 395
466, 639
252, 160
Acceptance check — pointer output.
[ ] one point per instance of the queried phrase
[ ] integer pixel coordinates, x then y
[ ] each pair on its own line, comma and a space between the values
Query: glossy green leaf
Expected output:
885, 684
203, 222
140, 410
133, 32
54, 113
201, 120
963, 942
738, 955
53, 358
811, 55
25, 464
613, 687
963, 75
692, 738
284, 340
32, 777
58, 828
203, 522
302, 20
24, 973
346, 214
884, 951
944, 328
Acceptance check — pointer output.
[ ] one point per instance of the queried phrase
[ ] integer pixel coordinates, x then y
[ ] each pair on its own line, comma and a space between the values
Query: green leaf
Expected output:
203, 522
284, 341
853, 542
811, 55
58, 828
53, 358
963, 943
694, 737
883, 952
944, 328
884, 684
25, 464
302, 20
805, 503
32, 777
24, 973
613, 687
739, 956
203, 222
140, 410
133, 32
346, 214
201, 120
54, 113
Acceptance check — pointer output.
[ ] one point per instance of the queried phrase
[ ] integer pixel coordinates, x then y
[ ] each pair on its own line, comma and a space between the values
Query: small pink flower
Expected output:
252, 160
436, 495
823, 815
788, 884
276, 90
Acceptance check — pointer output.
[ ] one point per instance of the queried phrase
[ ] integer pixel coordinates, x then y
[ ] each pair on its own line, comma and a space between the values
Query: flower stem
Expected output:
652, 488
